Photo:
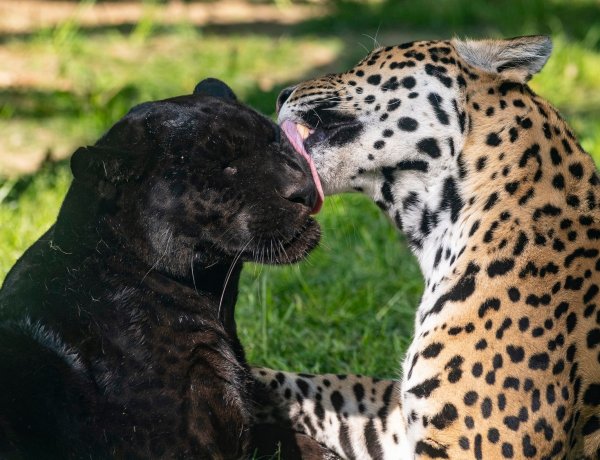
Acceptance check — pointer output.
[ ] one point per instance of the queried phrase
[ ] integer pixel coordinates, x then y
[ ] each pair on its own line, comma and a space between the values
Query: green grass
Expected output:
353, 297
29, 206
350, 306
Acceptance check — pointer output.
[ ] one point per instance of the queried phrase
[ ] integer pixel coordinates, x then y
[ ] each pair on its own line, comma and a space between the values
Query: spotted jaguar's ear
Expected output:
215, 88
514, 58
101, 168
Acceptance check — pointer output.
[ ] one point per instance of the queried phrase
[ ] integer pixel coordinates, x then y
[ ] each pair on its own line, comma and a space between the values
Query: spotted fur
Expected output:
501, 206
354, 415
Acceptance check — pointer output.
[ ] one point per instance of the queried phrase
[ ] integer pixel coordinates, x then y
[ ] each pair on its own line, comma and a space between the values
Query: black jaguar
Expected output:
117, 330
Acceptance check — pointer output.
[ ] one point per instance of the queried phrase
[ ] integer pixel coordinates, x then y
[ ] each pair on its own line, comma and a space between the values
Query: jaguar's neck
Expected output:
431, 215
521, 171
426, 201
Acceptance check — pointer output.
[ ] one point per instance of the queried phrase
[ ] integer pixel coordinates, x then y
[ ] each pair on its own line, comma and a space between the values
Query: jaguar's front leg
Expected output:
355, 416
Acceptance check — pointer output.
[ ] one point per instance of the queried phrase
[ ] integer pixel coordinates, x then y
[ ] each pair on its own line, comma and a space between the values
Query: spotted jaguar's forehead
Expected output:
386, 61
389, 71
451, 62
393, 59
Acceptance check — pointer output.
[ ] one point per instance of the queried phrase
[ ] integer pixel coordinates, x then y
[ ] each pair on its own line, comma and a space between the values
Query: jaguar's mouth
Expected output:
337, 133
274, 250
305, 238
297, 135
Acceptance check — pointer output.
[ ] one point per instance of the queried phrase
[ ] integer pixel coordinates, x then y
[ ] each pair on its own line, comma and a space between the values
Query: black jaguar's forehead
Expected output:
186, 136
185, 120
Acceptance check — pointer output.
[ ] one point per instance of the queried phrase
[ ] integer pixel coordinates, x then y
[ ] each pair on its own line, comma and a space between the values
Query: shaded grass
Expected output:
578, 20
78, 95
28, 207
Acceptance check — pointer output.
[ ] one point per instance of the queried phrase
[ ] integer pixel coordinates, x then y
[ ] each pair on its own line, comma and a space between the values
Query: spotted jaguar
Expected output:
501, 206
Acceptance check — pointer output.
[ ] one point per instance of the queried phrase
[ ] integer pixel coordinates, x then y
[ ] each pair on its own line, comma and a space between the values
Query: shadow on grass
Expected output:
578, 20
46, 103
11, 189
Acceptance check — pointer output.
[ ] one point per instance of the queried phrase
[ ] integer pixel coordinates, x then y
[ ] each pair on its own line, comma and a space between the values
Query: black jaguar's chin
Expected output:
278, 251
297, 248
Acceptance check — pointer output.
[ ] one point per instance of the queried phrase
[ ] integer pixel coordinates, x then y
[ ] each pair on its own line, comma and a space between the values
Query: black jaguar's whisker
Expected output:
284, 251
280, 241
162, 256
275, 251
257, 252
235, 260
192, 269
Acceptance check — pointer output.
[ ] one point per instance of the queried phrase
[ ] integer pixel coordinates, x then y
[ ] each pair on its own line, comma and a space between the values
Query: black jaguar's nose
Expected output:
284, 96
302, 191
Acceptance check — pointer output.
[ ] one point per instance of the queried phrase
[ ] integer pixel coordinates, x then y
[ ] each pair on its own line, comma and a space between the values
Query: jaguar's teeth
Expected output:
304, 131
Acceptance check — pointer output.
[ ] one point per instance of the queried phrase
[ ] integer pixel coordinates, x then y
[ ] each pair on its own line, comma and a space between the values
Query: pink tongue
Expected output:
290, 130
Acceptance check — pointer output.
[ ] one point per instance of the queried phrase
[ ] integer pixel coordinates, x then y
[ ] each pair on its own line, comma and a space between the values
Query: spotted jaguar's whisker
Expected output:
363, 47
318, 116
375, 42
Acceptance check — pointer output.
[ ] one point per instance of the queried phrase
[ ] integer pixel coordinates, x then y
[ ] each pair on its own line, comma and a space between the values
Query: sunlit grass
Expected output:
25, 217
571, 81
354, 296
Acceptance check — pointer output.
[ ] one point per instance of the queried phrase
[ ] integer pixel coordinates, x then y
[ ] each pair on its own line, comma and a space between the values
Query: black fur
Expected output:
117, 330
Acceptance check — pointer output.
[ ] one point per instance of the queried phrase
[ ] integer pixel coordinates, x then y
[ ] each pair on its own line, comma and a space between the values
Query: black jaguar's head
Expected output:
202, 178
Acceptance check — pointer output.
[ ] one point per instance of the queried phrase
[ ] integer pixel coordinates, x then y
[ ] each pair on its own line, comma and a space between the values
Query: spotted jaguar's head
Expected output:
402, 110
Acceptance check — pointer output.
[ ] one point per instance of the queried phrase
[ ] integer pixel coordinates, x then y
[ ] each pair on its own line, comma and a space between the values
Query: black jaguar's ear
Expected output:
97, 166
215, 88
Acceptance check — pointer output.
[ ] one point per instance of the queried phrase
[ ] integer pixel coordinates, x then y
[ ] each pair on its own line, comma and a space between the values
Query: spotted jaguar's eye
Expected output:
230, 171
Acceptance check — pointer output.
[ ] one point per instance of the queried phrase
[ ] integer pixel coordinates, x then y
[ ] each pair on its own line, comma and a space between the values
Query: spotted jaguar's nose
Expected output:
284, 96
